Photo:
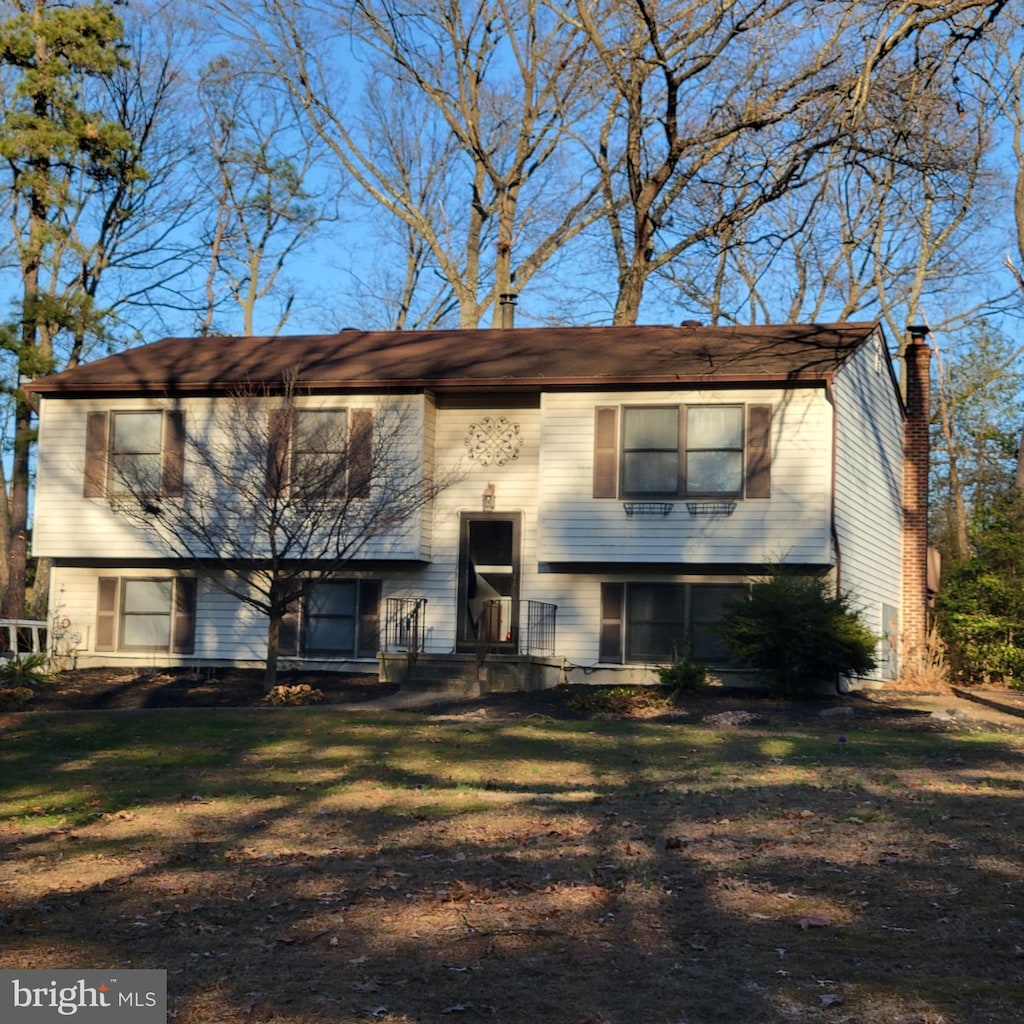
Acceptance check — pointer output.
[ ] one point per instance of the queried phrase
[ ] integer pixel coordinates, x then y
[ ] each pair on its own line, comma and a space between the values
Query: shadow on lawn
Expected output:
606, 873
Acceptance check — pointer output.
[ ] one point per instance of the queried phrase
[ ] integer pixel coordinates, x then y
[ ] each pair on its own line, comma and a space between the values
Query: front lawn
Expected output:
302, 866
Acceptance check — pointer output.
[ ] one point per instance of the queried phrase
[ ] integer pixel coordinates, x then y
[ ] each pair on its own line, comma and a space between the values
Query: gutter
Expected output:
459, 385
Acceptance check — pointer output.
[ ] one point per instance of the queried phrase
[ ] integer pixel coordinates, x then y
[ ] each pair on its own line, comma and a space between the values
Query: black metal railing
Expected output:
525, 627
405, 624
537, 627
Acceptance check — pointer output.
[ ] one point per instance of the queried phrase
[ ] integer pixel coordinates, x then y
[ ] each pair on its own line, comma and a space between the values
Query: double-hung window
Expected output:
689, 451
320, 453
135, 452
714, 451
650, 452
146, 614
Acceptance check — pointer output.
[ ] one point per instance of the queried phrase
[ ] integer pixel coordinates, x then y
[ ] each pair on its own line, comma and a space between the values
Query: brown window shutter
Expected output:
173, 465
613, 608
288, 637
106, 614
759, 451
278, 445
95, 483
360, 454
183, 628
367, 641
606, 451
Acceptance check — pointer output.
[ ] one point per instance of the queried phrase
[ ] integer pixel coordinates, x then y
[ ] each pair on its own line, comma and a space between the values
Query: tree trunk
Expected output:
17, 544
273, 650
631, 290
39, 598
1018, 473
5, 530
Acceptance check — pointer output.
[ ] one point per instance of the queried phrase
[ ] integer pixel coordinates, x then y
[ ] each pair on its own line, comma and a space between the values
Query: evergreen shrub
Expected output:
799, 633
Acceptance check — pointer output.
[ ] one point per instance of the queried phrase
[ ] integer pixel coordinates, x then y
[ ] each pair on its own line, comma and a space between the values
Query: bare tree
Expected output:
975, 419
415, 152
718, 111
888, 221
693, 142
265, 206
507, 80
1005, 68
271, 495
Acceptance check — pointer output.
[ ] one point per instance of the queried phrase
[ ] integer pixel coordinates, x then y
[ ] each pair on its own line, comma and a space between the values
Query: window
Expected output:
714, 451
138, 452
19, 637
151, 614
320, 453
136, 449
340, 619
668, 451
650, 452
650, 623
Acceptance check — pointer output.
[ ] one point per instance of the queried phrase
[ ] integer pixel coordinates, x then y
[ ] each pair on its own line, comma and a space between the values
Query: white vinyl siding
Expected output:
794, 523
869, 482
67, 525
516, 484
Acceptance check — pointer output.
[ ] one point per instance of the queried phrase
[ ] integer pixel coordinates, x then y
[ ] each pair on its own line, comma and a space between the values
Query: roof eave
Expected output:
428, 384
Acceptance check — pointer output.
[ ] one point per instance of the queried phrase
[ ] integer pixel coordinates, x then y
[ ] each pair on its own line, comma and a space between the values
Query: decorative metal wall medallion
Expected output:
494, 440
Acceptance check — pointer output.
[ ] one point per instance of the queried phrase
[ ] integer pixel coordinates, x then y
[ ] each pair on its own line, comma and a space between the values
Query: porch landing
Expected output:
470, 675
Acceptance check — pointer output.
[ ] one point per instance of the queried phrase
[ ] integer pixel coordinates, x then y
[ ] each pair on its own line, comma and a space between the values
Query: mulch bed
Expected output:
106, 688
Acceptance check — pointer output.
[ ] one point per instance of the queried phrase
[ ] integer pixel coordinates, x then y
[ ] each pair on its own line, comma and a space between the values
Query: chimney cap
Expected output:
918, 330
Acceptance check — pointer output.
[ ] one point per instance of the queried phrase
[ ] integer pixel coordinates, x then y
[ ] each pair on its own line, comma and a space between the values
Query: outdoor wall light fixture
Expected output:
487, 498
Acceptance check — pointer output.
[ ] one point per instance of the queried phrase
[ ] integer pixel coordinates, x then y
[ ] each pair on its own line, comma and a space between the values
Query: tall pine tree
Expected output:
58, 149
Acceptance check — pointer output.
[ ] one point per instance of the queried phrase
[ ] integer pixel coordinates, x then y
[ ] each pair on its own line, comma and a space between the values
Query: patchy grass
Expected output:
310, 866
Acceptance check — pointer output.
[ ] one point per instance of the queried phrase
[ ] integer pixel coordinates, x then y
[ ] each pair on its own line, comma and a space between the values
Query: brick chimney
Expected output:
917, 389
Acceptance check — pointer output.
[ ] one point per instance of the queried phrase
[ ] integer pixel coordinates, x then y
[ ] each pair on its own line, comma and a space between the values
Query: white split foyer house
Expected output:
614, 487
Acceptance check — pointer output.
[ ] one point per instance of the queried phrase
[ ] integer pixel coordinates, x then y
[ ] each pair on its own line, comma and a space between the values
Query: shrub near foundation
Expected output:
799, 633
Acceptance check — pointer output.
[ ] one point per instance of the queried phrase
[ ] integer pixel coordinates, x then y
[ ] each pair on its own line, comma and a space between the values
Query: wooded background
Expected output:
269, 166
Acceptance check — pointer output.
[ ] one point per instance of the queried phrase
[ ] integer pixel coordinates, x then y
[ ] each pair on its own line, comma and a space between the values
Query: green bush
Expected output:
30, 671
980, 606
627, 701
799, 633
682, 674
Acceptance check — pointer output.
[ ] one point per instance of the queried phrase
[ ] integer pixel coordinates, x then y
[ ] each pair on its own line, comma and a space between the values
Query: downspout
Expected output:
841, 688
830, 397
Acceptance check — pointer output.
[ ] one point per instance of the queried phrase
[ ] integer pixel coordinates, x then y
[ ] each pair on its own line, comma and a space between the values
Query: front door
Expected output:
488, 580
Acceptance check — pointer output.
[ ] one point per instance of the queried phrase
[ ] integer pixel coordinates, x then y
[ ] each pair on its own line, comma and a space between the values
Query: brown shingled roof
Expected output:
517, 358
